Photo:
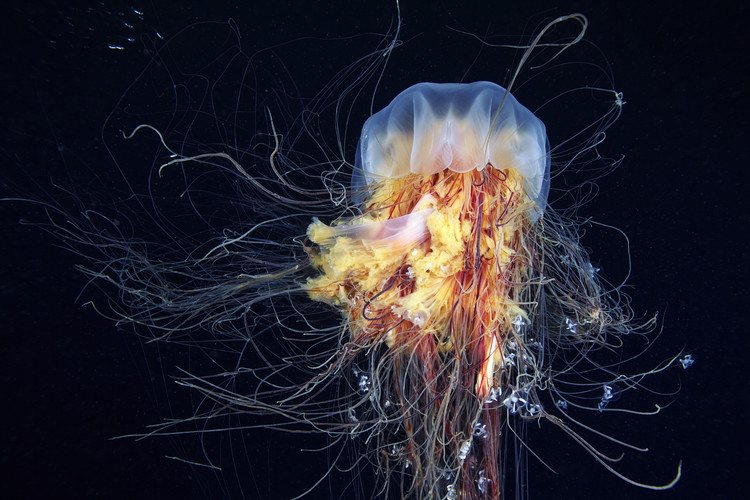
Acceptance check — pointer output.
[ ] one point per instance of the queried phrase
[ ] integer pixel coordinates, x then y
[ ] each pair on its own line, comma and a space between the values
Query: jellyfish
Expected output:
422, 303
440, 276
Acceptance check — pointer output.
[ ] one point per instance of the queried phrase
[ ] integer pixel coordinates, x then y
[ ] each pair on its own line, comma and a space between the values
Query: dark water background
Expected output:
71, 381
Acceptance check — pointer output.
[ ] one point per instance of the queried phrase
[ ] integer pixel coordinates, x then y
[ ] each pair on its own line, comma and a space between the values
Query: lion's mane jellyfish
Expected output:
442, 274
423, 303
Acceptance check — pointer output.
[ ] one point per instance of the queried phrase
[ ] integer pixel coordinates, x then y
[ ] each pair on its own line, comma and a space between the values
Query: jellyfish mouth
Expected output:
434, 276
431, 269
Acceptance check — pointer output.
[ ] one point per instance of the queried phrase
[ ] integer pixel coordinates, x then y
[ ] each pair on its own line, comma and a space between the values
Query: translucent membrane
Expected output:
431, 127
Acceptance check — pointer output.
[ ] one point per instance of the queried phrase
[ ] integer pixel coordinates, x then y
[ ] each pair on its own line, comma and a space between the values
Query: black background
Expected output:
71, 381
